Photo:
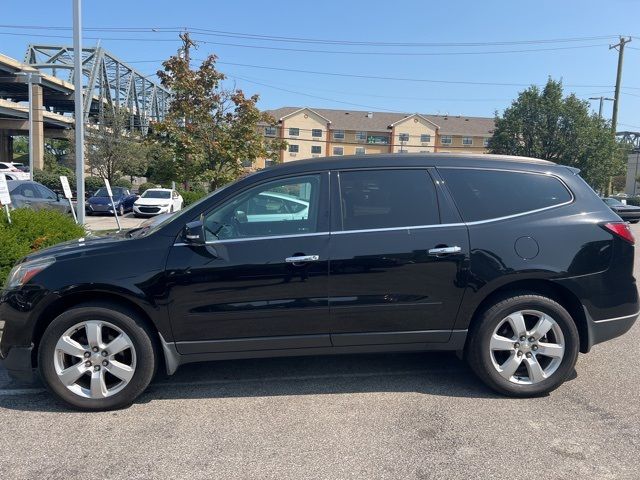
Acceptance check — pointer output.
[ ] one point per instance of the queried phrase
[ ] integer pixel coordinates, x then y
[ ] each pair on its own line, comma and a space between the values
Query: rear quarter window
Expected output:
486, 194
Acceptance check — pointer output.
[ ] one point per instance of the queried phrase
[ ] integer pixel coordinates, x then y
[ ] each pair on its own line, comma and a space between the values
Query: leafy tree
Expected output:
111, 150
210, 130
546, 125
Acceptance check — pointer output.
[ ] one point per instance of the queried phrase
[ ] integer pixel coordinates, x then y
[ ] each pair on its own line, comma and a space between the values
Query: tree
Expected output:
111, 150
210, 130
544, 124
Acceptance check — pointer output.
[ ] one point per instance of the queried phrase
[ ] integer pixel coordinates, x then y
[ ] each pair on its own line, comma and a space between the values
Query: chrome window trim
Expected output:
392, 229
515, 215
247, 239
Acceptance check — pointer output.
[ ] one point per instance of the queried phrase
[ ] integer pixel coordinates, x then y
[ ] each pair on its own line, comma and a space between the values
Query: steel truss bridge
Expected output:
630, 138
108, 83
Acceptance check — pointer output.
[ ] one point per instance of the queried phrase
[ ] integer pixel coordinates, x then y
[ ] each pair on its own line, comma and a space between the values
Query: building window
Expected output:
269, 162
467, 141
446, 140
316, 132
338, 150
425, 138
316, 149
404, 137
247, 163
485, 142
361, 136
338, 134
361, 150
294, 148
269, 131
294, 132
378, 139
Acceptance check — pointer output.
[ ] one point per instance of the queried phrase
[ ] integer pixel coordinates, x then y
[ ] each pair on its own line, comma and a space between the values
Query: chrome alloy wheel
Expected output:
94, 359
527, 347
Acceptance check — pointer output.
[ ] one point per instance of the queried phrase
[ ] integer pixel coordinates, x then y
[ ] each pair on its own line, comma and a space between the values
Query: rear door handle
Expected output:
302, 259
444, 250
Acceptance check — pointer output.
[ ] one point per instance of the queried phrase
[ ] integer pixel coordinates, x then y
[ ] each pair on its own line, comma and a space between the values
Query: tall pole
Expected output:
601, 99
30, 88
77, 70
620, 47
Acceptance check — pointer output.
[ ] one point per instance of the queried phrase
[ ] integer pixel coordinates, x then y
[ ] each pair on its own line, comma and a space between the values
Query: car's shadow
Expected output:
439, 374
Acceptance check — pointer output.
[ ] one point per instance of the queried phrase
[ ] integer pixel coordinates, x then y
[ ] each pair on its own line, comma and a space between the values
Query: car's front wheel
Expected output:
526, 345
97, 357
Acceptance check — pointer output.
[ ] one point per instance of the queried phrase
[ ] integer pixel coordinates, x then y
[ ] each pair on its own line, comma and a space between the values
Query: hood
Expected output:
153, 201
78, 246
102, 200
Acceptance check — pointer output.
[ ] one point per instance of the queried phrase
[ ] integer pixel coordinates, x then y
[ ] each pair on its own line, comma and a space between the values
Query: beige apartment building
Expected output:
319, 132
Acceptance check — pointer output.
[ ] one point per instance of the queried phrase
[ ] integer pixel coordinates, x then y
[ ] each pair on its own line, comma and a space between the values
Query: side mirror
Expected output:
193, 233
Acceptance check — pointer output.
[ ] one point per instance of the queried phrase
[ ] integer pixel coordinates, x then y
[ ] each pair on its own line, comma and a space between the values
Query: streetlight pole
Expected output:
77, 70
30, 78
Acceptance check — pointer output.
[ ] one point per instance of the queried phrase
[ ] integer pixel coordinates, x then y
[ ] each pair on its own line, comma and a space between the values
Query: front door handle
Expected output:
302, 259
444, 250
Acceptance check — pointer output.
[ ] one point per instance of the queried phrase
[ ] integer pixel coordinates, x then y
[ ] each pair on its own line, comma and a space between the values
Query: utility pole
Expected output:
187, 44
602, 99
77, 80
620, 47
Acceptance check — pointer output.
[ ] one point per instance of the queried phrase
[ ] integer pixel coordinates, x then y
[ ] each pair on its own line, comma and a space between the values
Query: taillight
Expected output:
620, 229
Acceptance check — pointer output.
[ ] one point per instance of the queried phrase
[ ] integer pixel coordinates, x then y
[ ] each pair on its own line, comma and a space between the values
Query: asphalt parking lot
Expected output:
419, 416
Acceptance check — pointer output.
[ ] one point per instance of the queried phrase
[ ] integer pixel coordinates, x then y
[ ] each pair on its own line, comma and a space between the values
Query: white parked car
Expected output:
155, 201
11, 171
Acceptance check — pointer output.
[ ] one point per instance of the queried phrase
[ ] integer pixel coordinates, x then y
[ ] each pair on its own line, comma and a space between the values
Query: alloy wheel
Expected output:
94, 359
527, 347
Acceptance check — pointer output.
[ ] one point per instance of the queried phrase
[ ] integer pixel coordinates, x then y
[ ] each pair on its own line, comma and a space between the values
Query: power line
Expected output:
333, 52
273, 38
404, 79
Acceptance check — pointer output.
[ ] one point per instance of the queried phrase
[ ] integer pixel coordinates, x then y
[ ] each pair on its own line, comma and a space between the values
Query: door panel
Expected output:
239, 292
383, 279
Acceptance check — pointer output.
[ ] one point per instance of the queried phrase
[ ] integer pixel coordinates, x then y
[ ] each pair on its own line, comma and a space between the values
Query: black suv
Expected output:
514, 263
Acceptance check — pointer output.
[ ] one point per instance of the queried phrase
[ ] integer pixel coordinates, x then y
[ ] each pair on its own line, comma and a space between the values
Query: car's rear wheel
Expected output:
526, 345
97, 357
121, 210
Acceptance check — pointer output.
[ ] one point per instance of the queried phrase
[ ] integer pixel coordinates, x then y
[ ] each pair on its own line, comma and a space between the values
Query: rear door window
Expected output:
374, 199
487, 194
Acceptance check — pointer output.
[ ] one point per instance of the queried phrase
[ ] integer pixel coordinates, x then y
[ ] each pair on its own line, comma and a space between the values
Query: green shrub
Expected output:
146, 186
191, 196
91, 184
30, 231
635, 201
122, 182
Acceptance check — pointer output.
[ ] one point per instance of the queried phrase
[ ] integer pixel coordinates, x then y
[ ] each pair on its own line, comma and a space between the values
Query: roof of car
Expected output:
159, 190
411, 160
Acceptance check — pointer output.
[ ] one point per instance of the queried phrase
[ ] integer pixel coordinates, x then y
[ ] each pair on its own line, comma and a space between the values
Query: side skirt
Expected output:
173, 359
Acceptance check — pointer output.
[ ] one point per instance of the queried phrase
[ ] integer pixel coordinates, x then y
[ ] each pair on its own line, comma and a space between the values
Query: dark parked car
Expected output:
394, 253
629, 213
100, 202
28, 194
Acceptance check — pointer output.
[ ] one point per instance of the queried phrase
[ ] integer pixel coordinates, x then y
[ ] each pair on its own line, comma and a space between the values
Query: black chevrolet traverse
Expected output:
514, 263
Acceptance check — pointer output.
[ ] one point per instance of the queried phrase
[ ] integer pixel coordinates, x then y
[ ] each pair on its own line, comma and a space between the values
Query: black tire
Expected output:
127, 321
121, 210
478, 354
634, 221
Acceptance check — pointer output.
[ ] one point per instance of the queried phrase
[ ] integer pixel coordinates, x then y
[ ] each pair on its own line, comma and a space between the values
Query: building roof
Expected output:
362, 120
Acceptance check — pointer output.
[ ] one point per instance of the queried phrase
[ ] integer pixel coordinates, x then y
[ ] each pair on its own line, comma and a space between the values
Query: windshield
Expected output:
156, 194
612, 202
162, 220
102, 192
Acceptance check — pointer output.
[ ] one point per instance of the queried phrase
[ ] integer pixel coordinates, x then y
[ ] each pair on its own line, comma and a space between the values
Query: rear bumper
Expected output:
608, 328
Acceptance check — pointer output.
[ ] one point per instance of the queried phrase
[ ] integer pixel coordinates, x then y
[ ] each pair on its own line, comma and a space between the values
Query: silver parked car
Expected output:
25, 193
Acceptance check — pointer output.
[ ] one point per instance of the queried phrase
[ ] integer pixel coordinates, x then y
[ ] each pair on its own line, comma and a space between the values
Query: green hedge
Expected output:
191, 196
635, 201
146, 186
32, 230
52, 181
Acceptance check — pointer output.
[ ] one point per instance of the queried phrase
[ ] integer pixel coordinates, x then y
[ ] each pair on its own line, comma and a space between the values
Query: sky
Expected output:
445, 57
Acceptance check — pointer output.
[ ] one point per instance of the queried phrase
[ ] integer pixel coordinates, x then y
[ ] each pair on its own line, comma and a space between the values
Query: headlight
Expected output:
25, 271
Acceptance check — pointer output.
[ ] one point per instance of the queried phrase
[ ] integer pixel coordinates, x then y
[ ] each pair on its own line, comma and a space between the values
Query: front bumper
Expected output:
18, 364
150, 210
